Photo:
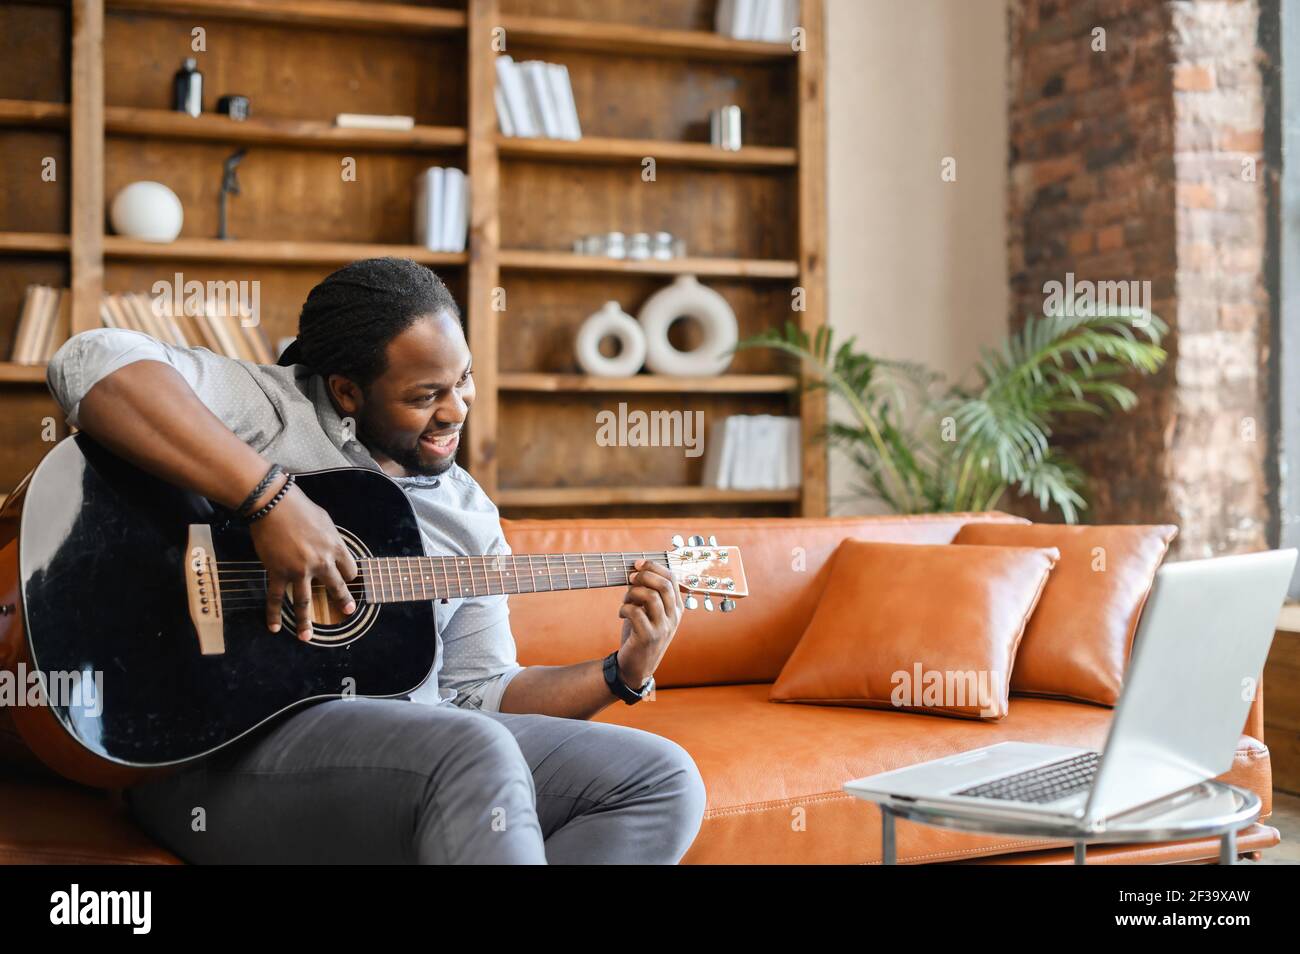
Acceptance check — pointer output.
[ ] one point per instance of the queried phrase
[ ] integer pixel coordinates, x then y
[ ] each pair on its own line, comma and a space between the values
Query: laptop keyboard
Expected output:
1046, 783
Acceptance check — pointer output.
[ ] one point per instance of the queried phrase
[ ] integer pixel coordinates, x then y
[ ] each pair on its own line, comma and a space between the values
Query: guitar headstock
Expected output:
703, 567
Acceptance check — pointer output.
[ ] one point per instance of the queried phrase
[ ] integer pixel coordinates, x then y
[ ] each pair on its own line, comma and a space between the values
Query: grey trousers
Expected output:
382, 781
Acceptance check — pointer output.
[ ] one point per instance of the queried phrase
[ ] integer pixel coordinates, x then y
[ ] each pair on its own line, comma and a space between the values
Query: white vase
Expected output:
610, 322
687, 298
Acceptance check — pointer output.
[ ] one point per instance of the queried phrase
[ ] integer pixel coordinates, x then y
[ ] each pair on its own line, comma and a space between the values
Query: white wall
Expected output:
917, 266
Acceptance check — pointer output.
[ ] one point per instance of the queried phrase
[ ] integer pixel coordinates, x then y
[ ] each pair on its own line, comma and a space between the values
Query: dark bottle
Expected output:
187, 89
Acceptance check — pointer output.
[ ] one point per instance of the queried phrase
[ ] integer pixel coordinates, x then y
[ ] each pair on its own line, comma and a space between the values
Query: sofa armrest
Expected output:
1254, 726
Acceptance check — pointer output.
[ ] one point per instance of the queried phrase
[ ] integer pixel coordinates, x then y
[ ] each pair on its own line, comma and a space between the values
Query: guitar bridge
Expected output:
203, 587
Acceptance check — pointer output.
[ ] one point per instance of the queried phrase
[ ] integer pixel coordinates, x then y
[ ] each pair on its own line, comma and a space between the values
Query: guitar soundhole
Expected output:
329, 625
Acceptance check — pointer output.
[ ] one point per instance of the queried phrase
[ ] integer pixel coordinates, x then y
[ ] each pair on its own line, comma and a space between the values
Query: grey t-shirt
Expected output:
286, 415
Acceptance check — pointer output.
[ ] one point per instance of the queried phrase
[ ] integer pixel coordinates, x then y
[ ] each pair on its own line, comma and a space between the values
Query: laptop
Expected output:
1200, 646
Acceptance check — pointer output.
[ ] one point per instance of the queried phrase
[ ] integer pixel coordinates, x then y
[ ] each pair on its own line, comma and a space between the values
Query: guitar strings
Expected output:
425, 574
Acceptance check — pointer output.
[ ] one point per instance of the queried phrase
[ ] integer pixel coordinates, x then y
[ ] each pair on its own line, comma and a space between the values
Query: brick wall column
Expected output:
1136, 154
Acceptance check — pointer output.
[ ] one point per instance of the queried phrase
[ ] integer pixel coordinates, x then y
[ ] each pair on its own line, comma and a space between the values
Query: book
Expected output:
503, 112
368, 121
22, 347
61, 326
37, 336
753, 452
440, 212
771, 21
535, 99
512, 82
454, 206
562, 93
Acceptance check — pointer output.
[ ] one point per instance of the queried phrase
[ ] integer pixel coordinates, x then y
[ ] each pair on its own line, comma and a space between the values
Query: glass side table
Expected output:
1209, 808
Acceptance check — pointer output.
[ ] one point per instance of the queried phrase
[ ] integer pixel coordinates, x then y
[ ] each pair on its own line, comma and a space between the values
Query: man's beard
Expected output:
405, 455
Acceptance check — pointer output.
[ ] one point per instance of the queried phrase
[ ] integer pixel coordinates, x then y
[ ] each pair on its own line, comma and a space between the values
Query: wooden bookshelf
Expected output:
629, 38
286, 253
91, 88
649, 383
39, 243
614, 150
14, 373
331, 14
526, 260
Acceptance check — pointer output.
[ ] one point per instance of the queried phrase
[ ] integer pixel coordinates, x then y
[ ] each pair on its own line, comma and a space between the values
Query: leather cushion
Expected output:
930, 628
1078, 641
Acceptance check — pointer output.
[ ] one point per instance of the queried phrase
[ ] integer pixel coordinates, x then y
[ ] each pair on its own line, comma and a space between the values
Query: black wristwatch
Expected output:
621, 689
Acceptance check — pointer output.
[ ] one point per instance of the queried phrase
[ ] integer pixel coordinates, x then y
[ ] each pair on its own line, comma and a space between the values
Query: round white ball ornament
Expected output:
147, 210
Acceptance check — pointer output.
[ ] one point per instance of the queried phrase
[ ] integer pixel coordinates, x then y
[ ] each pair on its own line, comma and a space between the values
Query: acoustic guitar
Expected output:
137, 610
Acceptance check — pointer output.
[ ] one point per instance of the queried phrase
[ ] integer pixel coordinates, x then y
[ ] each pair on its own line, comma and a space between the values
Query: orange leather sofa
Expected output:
773, 770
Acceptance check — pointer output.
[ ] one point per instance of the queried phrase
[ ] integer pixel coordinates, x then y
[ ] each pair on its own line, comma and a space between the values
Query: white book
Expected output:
539, 92
436, 208
504, 122
791, 20
428, 209
743, 476
724, 20
557, 76
462, 230
773, 19
729, 469
794, 452
453, 197
510, 79
713, 454
742, 17
420, 208
772, 451
367, 121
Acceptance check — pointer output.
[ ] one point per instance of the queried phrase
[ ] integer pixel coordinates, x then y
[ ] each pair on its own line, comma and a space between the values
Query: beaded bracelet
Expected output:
275, 471
270, 504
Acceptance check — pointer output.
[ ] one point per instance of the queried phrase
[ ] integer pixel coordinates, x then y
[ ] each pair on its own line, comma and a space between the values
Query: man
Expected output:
487, 761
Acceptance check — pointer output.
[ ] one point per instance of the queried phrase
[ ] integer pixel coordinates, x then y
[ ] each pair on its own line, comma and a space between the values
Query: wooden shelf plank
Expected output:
335, 14
13, 373
27, 112
314, 134
41, 242
542, 261
605, 150
611, 496
649, 383
290, 253
211, 127
632, 38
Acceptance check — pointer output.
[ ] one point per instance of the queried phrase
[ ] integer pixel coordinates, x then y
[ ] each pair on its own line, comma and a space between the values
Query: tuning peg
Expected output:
728, 605
691, 602
677, 540
713, 541
708, 604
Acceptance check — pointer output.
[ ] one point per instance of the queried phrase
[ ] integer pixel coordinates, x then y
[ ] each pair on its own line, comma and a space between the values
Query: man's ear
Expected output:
347, 394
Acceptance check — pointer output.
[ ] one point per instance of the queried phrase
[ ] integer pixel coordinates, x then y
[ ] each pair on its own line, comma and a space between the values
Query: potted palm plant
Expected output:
921, 445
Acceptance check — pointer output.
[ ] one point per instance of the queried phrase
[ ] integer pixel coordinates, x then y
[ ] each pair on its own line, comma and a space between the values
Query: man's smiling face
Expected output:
410, 417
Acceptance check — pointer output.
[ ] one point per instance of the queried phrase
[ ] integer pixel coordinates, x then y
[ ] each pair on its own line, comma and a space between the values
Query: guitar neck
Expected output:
406, 579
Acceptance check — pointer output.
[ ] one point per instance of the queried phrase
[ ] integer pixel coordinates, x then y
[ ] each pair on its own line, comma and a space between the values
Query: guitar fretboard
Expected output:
405, 579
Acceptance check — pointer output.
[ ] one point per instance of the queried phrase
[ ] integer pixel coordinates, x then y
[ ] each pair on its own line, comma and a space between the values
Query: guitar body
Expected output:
101, 574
